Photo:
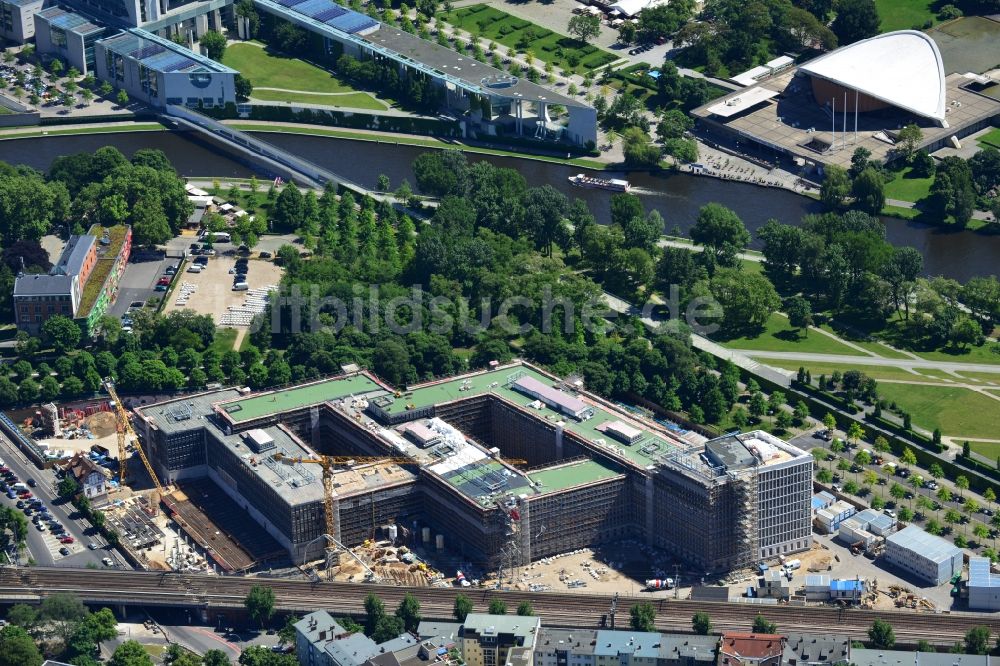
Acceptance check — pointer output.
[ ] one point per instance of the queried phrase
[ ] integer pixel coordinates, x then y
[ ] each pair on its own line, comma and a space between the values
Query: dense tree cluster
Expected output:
413, 88
63, 624
736, 35
108, 189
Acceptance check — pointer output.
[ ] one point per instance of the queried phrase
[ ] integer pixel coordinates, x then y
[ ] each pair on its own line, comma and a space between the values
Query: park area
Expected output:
496, 26
904, 14
280, 78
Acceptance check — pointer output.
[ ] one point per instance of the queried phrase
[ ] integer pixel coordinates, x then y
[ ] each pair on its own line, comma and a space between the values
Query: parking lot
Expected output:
139, 283
211, 291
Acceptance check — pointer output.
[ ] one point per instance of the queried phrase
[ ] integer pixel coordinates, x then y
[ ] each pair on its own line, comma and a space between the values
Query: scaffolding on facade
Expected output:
747, 532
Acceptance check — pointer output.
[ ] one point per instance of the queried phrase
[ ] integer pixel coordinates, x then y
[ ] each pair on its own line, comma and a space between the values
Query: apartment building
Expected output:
490, 640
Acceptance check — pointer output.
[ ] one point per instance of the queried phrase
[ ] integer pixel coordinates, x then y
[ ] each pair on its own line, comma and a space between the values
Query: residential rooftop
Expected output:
643, 644
523, 627
77, 248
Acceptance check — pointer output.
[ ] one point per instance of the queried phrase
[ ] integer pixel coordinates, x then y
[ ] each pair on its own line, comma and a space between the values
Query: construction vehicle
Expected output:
124, 431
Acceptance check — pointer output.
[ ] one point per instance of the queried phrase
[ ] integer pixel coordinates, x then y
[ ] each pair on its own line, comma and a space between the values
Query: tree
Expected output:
953, 191
626, 33
525, 609
261, 655
722, 233
214, 658
409, 612
130, 653
856, 20
497, 607
462, 608
584, 26
855, 432
701, 623
63, 612
829, 422
835, 188
882, 635
747, 300
214, 43
868, 188
61, 332
762, 626
17, 648
799, 313
259, 603
907, 139
24, 616
243, 87
122, 98
962, 483
977, 640
387, 628
908, 457
642, 617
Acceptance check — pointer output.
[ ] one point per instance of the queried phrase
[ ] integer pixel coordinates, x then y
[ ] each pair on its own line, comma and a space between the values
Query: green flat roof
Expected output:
284, 400
448, 390
585, 471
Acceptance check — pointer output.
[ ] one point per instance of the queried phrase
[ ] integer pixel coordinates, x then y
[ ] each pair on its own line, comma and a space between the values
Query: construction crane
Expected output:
328, 465
124, 430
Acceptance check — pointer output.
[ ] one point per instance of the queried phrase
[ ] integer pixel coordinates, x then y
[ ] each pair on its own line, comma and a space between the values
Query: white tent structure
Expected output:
630, 8
902, 69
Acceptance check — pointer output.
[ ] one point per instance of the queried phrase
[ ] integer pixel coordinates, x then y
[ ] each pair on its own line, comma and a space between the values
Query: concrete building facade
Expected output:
161, 73
489, 640
17, 19
68, 36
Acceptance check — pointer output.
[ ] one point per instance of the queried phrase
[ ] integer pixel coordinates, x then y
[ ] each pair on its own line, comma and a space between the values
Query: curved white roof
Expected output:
902, 68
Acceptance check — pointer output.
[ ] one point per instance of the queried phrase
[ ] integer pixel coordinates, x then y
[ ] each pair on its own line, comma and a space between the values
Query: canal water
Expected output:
956, 254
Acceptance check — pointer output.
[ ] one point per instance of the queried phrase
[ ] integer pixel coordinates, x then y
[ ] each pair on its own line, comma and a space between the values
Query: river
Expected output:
955, 254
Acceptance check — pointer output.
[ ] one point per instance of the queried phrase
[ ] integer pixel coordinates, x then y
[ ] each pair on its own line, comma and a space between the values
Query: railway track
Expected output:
556, 609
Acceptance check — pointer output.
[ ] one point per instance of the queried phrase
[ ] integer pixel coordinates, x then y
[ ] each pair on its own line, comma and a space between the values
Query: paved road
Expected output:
80, 530
872, 360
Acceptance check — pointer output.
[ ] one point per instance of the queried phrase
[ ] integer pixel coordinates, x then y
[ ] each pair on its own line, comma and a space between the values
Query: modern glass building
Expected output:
68, 36
160, 72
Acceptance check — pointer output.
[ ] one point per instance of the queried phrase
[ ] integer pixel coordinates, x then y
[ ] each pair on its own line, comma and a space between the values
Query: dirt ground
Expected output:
214, 286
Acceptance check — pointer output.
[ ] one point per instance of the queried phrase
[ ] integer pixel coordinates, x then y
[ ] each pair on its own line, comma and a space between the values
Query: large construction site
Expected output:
501, 468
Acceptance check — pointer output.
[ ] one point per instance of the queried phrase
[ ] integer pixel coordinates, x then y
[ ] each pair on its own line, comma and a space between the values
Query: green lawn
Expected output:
906, 188
225, 338
982, 377
493, 25
875, 371
904, 14
991, 138
988, 353
989, 449
269, 69
779, 335
356, 100
958, 412
872, 346
4, 111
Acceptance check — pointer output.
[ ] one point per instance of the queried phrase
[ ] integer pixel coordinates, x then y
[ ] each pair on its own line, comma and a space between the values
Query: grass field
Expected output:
355, 100
779, 335
991, 138
988, 353
904, 14
268, 69
494, 25
958, 412
982, 377
906, 188
989, 449
875, 371
4, 111
224, 340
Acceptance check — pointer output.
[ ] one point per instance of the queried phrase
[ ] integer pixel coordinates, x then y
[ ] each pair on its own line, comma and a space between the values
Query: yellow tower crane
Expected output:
124, 430
329, 464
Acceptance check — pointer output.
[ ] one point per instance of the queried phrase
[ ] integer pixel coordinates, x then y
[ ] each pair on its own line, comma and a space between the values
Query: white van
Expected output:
194, 268
20, 485
241, 286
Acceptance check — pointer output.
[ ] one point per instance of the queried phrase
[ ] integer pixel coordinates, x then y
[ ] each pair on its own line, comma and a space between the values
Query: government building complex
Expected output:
587, 472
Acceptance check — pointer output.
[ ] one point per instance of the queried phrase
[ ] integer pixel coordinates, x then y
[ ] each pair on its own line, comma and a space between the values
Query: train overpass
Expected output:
214, 594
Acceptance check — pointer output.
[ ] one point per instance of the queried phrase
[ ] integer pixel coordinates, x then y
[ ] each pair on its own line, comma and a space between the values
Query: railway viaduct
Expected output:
214, 594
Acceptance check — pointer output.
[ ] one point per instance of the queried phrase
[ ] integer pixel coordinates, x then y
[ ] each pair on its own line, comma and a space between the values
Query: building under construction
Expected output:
588, 471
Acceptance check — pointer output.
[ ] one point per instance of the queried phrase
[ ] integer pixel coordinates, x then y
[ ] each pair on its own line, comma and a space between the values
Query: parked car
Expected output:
67, 539
160, 287
32, 483
19, 504
171, 270
64, 551
265, 255
163, 280
108, 562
